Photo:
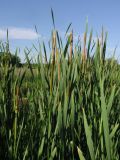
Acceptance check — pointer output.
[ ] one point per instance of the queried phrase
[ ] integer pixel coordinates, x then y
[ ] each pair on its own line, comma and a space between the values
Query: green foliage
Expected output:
6, 58
75, 117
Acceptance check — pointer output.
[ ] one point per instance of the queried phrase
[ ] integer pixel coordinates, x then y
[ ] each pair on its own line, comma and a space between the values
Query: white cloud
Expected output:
19, 33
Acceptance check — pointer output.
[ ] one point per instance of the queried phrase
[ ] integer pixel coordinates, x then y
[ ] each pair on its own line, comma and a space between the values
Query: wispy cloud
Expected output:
19, 33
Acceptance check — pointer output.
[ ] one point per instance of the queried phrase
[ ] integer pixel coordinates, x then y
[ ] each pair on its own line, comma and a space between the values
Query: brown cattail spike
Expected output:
53, 46
71, 45
53, 58
102, 41
58, 63
84, 56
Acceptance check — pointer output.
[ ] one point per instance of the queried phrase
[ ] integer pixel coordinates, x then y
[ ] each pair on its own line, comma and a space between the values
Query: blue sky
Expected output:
20, 17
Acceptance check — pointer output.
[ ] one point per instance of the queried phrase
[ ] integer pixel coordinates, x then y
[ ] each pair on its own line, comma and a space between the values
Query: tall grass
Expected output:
72, 108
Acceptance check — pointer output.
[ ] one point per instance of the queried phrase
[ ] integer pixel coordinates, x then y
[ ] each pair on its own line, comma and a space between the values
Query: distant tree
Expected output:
15, 60
9, 59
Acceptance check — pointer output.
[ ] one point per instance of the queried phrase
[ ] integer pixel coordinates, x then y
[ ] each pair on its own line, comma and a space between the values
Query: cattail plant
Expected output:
71, 113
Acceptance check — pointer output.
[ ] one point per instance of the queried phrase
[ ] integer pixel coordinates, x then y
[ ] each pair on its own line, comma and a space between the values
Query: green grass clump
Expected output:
67, 107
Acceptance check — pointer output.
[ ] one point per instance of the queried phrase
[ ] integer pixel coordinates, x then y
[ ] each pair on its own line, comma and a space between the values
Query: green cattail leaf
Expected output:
55, 102
109, 105
22, 78
19, 136
88, 137
42, 143
25, 153
53, 18
59, 120
114, 130
97, 53
40, 151
49, 125
105, 121
80, 154
68, 29
72, 110
65, 108
45, 52
53, 153
40, 110
58, 40
66, 47
104, 48
29, 63
89, 44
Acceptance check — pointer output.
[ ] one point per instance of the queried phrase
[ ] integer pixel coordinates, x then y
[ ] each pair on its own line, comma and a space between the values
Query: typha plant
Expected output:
73, 107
